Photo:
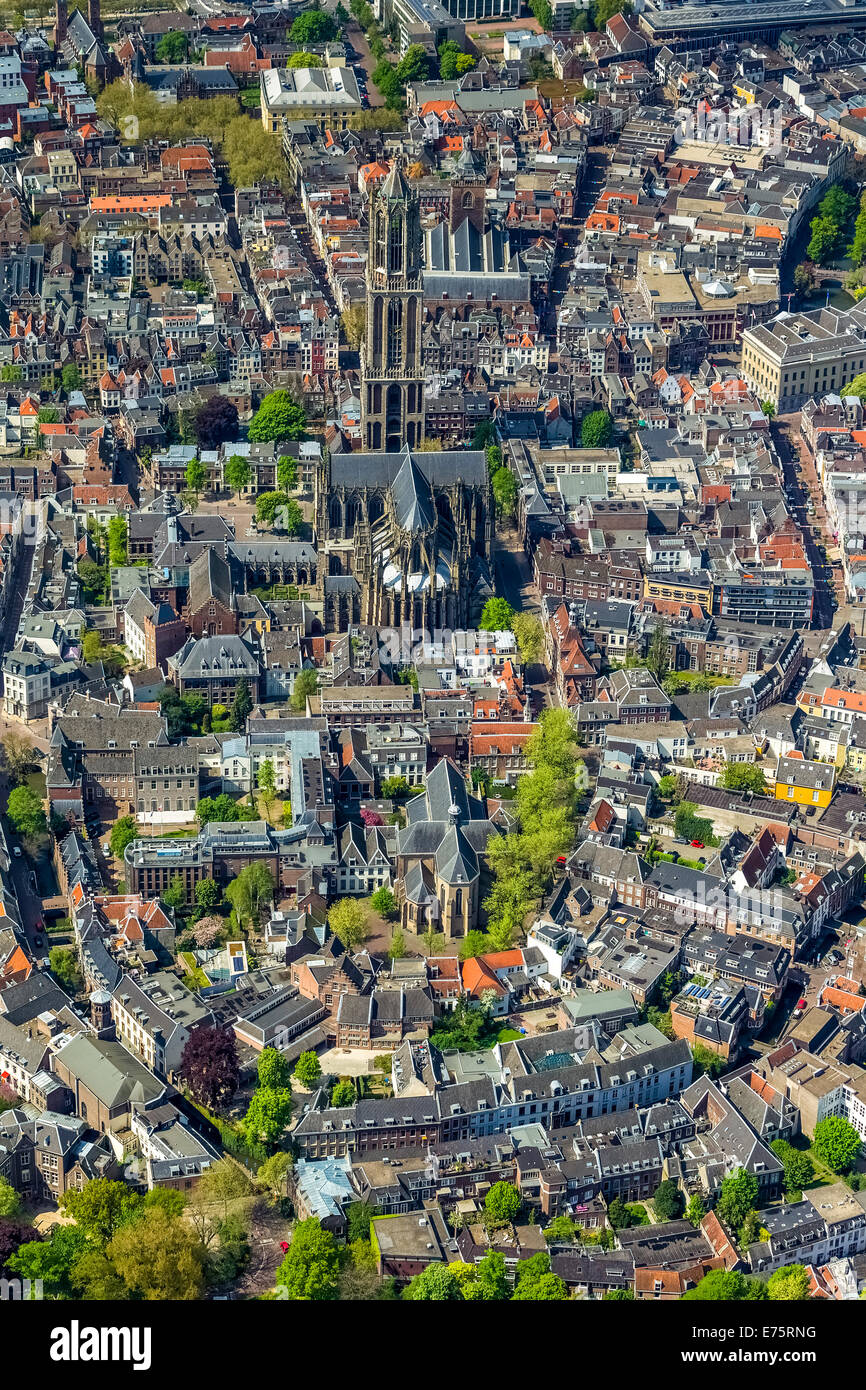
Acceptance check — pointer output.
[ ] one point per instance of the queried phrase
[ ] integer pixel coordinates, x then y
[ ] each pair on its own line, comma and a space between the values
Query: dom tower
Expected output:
392, 390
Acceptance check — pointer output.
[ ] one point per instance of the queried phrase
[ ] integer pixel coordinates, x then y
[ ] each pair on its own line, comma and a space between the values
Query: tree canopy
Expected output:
278, 417
837, 1143
596, 430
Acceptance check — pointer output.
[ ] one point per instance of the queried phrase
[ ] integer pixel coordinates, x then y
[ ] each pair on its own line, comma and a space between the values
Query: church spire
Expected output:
392, 392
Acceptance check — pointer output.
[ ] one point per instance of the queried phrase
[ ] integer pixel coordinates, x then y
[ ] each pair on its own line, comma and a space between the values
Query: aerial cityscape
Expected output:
433, 618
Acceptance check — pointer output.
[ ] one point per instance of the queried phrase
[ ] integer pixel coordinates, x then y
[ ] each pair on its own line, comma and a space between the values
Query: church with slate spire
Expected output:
404, 537
403, 534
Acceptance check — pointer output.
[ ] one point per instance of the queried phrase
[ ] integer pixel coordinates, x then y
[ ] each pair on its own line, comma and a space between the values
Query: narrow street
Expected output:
801, 486
358, 39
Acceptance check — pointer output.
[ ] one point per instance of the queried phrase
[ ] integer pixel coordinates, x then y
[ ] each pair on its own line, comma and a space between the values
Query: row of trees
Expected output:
254, 155
121, 1245
502, 481
546, 803
830, 225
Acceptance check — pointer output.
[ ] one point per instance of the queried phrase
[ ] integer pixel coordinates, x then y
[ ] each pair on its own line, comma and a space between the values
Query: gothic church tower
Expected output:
392, 379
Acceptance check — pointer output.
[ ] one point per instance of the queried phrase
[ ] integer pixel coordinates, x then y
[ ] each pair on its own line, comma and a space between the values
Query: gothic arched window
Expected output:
395, 332
395, 243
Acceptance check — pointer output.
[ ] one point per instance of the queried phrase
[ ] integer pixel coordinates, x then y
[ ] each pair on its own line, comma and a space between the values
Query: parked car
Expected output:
16, 850
697, 844
38, 942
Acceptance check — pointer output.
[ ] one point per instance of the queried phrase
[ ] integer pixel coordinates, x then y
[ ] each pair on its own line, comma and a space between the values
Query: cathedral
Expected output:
403, 534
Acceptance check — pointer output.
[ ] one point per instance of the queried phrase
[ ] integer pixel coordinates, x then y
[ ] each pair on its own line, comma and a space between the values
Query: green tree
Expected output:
101, 1207
290, 516
159, 1258
238, 474
529, 635
268, 1114
308, 1070
504, 486
10, 1202
483, 435
313, 27
272, 1069
348, 920
354, 322
695, 1211
706, 1062
384, 902
195, 477
837, 1143
824, 242
497, 615
172, 48
799, 1168
857, 249
267, 506
267, 783
596, 430
739, 1196
395, 788
11, 372
474, 943
251, 894
71, 378
64, 966
668, 1201
117, 541
453, 62
50, 1261
789, 1285
306, 685
720, 1286
94, 1278
207, 893
311, 1268
744, 777
278, 418
344, 1094
273, 1174
561, 1231
175, 894
534, 1282
502, 1203
435, 1284
254, 155
123, 832
493, 456
603, 10
658, 657
305, 60
543, 13
241, 705
287, 473
25, 812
